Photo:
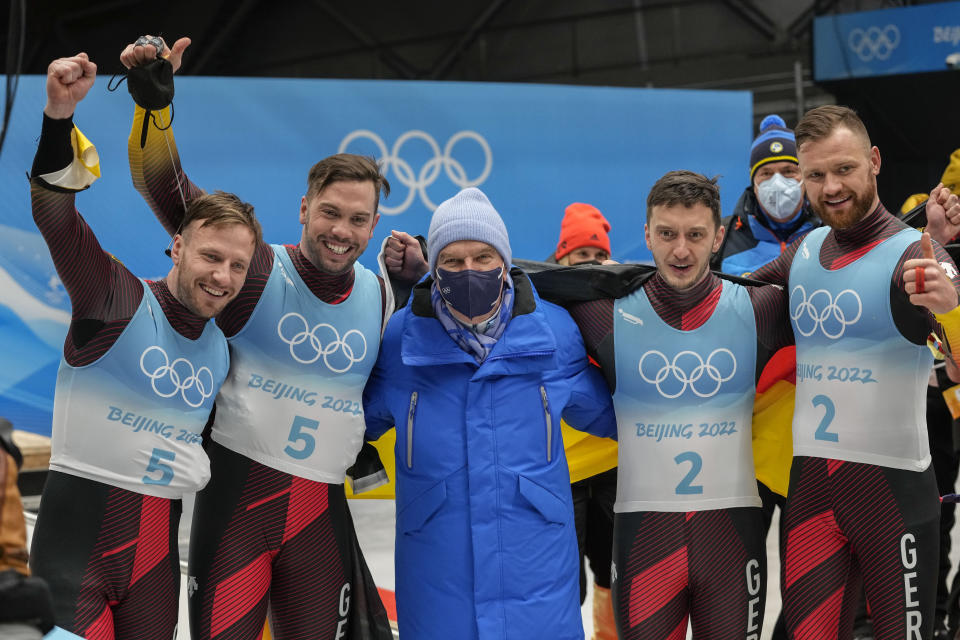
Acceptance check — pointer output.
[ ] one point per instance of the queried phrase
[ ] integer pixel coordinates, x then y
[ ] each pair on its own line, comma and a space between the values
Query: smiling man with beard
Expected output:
271, 531
865, 292
141, 365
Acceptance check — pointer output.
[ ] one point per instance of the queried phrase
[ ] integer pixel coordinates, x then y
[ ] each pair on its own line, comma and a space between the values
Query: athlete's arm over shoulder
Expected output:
777, 271
590, 407
770, 310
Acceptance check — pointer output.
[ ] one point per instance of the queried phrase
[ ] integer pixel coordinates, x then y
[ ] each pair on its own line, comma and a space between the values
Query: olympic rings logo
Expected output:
417, 182
307, 345
169, 378
874, 43
822, 311
687, 369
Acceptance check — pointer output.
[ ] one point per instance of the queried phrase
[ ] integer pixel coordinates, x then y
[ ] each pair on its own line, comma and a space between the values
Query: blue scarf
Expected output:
477, 340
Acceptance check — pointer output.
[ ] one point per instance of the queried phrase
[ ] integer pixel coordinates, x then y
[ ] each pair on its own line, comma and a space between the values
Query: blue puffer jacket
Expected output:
486, 546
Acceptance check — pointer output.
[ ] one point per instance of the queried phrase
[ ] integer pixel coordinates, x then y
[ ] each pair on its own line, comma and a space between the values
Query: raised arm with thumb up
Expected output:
925, 281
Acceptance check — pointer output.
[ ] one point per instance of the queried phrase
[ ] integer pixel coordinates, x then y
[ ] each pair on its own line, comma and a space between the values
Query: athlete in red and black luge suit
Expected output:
679, 353
272, 529
141, 363
862, 503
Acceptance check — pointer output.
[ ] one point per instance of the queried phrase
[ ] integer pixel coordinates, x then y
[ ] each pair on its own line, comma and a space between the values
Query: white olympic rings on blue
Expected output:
168, 378
874, 43
821, 310
417, 182
688, 369
318, 347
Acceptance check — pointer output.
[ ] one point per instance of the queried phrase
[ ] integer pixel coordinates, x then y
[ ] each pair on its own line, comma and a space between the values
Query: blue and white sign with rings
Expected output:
688, 369
169, 378
874, 43
824, 312
307, 345
418, 181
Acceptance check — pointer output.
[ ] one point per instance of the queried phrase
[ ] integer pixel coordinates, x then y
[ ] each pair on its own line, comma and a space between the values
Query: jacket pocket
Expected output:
548, 420
411, 416
418, 511
552, 508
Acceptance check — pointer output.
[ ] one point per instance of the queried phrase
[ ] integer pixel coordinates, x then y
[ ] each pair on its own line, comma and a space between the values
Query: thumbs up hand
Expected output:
925, 281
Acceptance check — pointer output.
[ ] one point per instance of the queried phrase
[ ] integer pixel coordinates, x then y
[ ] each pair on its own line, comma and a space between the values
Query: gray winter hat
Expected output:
467, 216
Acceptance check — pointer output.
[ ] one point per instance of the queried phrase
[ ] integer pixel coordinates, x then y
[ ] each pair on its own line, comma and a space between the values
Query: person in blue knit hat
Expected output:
475, 373
772, 211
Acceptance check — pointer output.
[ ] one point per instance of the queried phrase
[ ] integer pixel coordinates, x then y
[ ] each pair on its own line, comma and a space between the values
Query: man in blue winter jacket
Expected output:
476, 373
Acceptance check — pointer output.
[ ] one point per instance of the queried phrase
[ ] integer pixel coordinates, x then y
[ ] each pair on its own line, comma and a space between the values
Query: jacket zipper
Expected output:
549, 420
410, 414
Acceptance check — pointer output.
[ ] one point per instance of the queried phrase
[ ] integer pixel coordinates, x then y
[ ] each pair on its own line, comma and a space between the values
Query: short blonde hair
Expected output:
821, 122
222, 208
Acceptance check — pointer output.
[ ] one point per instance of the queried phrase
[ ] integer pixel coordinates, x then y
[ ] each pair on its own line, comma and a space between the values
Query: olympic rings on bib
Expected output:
688, 369
822, 311
307, 345
168, 378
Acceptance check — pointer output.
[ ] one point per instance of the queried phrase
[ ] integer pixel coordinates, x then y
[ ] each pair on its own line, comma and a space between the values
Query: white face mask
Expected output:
779, 196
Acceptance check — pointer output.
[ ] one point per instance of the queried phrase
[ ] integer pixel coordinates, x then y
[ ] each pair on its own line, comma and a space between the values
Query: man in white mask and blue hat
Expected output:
772, 211
476, 373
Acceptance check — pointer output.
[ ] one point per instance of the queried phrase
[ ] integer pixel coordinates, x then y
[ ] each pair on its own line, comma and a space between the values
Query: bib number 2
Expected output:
829, 413
686, 486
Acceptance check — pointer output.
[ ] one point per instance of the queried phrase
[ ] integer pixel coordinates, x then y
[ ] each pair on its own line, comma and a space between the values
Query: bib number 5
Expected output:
157, 466
300, 434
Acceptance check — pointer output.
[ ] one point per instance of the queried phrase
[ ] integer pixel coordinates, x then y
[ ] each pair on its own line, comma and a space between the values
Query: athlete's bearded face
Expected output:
840, 177
338, 222
210, 265
681, 240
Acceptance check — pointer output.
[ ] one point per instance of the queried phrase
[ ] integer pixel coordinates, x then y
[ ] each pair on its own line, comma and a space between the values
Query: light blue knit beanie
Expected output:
467, 216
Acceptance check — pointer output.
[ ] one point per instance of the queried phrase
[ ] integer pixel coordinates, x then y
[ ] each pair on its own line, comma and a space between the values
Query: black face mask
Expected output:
472, 293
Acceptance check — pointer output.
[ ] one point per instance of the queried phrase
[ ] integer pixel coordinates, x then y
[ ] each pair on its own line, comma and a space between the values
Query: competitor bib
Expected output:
861, 386
293, 397
133, 418
684, 403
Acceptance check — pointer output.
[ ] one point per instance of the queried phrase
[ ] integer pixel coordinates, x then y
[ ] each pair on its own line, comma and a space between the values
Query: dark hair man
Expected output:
273, 523
677, 346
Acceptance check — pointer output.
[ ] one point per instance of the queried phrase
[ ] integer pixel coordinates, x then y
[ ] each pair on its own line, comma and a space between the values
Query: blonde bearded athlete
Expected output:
862, 507
141, 365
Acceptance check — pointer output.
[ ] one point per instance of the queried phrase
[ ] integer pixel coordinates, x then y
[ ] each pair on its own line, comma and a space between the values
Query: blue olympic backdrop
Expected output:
532, 149
887, 41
